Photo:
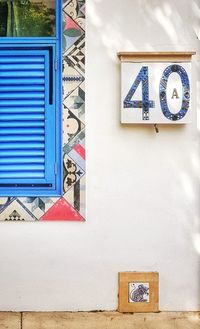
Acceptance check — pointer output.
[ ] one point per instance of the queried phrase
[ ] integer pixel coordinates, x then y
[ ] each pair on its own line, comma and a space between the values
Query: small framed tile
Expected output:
138, 292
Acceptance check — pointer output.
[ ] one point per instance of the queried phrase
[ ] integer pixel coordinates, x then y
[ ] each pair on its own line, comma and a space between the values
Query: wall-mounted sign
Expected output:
155, 87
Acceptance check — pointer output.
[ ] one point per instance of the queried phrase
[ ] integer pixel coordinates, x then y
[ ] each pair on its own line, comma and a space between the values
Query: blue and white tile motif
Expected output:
175, 68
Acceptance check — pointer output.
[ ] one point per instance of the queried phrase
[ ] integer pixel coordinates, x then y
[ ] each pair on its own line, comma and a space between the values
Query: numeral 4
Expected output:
145, 103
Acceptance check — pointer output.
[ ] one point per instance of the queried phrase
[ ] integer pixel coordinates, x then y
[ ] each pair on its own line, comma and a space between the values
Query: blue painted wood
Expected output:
23, 88
21, 66
21, 81
22, 176
22, 145
21, 74
20, 59
30, 115
22, 160
21, 117
22, 102
21, 95
14, 104
22, 153
21, 130
22, 138
14, 167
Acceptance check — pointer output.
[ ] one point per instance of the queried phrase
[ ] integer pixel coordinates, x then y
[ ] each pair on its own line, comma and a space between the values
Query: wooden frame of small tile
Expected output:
138, 292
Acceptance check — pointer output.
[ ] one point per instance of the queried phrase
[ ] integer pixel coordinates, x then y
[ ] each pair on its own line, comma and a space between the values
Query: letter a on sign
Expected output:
175, 93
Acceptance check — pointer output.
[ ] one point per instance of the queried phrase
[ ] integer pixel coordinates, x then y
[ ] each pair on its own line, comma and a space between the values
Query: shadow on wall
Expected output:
165, 26
168, 25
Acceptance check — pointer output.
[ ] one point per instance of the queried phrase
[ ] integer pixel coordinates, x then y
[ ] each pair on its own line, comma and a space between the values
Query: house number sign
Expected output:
155, 87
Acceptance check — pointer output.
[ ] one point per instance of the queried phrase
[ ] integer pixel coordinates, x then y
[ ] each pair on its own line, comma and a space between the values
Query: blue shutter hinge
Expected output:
55, 168
56, 64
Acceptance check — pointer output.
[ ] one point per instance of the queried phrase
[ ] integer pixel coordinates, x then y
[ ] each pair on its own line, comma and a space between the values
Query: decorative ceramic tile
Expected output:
72, 206
38, 205
71, 173
71, 125
76, 55
77, 139
71, 77
82, 196
62, 211
78, 154
76, 10
75, 102
70, 196
65, 2
75, 196
16, 211
138, 292
4, 202
71, 32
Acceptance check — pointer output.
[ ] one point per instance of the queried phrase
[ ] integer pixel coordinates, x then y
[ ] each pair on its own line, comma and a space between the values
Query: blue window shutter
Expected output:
27, 121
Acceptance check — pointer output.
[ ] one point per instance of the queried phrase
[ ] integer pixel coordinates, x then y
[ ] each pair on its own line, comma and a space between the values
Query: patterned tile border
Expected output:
71, 206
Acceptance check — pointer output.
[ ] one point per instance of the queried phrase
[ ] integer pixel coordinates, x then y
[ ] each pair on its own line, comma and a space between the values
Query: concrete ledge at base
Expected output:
10, 320
111, 320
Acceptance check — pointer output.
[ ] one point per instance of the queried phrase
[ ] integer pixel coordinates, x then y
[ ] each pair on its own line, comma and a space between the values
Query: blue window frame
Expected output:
30, 114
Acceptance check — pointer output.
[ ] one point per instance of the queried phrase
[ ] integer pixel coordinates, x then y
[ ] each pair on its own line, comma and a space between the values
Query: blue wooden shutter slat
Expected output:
18, 138
25, 144
13, 167
22, 102
17, 160
22, 175
9, 109
21, 131
22, 81
24, 89
21, 74
21, 59
24, 123
21, 116
22, 153
21, 95
21, 67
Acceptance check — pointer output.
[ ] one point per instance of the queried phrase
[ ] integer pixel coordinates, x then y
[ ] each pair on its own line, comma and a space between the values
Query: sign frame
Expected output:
143, 104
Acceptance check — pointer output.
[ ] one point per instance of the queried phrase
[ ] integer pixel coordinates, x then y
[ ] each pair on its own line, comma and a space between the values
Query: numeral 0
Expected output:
146, 104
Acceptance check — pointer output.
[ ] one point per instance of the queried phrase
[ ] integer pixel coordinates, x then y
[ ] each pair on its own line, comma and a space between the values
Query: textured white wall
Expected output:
142, 187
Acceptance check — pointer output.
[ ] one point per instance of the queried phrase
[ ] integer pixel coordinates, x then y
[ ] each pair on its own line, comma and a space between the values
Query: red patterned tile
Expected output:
62, 211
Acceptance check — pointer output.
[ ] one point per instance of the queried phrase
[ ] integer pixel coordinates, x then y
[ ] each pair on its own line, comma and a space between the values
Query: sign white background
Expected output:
129, 72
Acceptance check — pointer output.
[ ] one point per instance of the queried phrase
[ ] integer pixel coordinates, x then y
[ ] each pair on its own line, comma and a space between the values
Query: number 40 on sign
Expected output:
155, 92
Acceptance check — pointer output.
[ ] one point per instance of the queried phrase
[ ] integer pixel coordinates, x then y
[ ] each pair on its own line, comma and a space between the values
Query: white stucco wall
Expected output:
142, 187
